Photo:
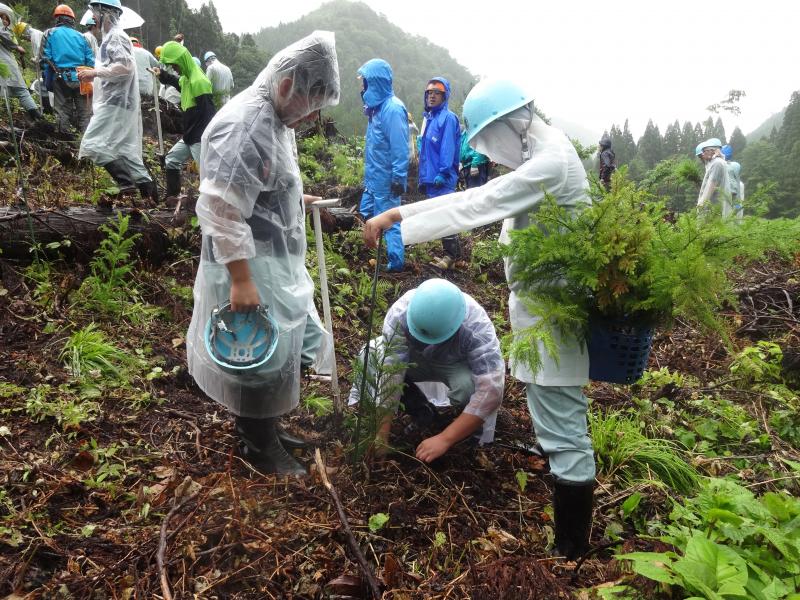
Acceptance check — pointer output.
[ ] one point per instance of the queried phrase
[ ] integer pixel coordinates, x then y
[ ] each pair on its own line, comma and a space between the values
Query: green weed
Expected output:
623, 451
728, 544
87, 352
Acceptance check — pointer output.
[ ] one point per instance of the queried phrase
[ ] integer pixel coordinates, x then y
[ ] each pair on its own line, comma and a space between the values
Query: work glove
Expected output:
438, 181
398, 189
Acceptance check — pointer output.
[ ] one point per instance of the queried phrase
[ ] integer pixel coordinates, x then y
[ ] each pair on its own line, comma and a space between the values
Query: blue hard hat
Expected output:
436, 311
208, 55
709, 143
240, 342
727, 151
112, 3
491, 99
196, 61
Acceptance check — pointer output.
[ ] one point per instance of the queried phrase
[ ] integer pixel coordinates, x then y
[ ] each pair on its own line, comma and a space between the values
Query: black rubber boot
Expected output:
290, 441
148, 191
35, 114
121, 175
572, 507
415, 404
261, 447
173, 182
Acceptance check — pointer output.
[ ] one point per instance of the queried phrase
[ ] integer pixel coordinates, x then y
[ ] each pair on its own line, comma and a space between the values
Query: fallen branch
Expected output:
769, 280
351, 540
162, 541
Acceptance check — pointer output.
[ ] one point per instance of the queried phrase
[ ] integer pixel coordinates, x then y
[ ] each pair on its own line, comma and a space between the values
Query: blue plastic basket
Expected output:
618, 350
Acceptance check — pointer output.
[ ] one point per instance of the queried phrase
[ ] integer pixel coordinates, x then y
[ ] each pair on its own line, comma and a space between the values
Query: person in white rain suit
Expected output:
15, 82
443, 335
113, 138
715, 188
220, 77
501, 123
251, 212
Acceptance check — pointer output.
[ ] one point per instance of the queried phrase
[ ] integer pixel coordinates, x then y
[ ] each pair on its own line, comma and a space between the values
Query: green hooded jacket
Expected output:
193, 81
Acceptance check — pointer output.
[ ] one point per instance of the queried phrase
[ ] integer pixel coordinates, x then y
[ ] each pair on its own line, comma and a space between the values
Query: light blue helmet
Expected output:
436, 311
709, 143
196, 61
240, 342
208, 55
727, 151
491, 99
111, 3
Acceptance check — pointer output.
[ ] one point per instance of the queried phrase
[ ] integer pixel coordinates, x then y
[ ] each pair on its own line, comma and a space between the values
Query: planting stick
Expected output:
326, 303
158, 116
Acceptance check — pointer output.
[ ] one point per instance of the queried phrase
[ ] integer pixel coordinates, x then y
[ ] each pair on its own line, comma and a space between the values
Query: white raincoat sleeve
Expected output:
482, 348
508, 196
232, 238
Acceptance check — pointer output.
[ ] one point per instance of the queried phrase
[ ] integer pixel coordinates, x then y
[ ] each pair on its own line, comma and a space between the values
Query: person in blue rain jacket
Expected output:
385, 152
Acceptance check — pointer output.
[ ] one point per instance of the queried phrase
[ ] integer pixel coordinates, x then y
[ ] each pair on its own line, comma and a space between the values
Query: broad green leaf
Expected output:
377, 521
522, 480
631, 503
725, 516
653, 565
711, 568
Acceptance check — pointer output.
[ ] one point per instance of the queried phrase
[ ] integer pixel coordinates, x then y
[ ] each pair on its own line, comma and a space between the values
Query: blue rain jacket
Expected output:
386, 150
66, 49
440, 146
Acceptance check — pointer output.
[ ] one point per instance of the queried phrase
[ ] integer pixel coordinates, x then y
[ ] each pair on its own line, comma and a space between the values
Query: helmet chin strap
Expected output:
523, 135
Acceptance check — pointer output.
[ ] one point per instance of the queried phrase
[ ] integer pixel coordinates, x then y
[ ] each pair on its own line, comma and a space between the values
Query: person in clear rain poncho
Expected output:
501, 123
15, 82
715, 189
443, 335
251, 212
220, 77
113, 138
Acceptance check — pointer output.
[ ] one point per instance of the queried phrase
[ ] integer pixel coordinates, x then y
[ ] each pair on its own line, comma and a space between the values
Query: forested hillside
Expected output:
163, 19
362, 34
770, 163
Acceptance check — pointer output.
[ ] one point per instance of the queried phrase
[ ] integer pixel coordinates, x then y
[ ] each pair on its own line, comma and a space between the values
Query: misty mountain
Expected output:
362, 34
765, 128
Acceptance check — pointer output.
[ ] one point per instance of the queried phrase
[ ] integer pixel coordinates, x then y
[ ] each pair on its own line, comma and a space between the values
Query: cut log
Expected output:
80, 225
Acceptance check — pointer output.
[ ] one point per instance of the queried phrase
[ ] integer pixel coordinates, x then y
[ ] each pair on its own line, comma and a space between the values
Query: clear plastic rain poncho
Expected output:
550, 165
116, 126
220, 77
7, 55
475, 344
715, 188
251, 207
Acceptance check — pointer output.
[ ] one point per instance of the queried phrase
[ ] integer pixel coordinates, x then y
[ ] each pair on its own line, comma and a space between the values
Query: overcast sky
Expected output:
597, 62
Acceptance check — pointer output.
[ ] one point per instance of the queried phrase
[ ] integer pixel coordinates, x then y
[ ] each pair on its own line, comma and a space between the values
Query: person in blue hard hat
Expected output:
438, 156
501, 123
734, 181
251, 214
220, 77
715, 189
113, 138
445, 336
385, 152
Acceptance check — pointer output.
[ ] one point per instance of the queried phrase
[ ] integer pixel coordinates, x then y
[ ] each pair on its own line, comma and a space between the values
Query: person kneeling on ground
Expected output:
197, 104
443, 335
